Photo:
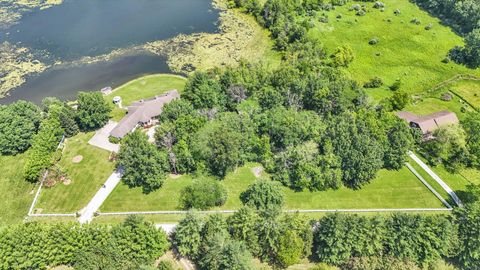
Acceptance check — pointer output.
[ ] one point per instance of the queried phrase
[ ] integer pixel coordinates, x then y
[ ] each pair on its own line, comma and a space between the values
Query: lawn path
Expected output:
436, 178
101, 195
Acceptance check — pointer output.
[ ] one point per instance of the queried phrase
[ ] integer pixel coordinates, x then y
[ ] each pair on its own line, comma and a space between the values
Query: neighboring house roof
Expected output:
431, 122
142, 112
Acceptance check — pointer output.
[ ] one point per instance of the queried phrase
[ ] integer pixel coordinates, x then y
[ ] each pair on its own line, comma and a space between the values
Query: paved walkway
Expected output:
100, 139
101, 195
436, 178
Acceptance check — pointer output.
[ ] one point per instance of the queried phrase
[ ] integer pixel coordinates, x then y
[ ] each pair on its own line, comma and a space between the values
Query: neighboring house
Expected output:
429, 123
143, 113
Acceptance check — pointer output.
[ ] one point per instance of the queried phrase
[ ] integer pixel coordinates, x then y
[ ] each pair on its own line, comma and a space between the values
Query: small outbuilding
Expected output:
106, 90
429, 123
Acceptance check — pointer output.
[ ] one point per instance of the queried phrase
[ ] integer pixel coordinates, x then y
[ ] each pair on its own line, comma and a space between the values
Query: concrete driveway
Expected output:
100, 139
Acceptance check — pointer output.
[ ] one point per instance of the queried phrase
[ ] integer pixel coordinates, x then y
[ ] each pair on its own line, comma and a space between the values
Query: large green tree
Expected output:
203, 194
143, 165
93, 111
471, 124
263, 195
19, 122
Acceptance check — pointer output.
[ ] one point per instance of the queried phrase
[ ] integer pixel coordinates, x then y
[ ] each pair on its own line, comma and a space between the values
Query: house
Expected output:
143, 113
429, 123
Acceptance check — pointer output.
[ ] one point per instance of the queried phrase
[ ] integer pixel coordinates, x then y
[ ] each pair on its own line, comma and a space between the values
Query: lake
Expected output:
79, 28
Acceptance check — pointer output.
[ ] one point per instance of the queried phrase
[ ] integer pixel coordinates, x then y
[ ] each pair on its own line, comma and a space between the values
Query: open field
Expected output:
469, 90
391, 189
405, 50
144, 88
86, 177
16, 192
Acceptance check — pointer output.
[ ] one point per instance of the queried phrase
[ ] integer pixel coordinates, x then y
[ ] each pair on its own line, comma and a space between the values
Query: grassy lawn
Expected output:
16, 193
468, 90
404, 50
143, 88
391, 189
86, 177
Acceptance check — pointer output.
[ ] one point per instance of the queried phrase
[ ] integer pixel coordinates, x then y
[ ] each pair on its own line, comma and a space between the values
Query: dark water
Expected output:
64, 83
80, 28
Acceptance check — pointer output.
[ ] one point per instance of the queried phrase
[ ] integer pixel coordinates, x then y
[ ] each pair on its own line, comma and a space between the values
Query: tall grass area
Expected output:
391, 189
405, 50
17, 194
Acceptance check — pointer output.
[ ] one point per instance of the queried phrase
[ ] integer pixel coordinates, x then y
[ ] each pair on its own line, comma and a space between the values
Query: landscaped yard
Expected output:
391, 189
144, 88
17, 194
405, 50
86, 177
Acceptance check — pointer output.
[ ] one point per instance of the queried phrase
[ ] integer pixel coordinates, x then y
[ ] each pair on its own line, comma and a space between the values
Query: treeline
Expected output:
126, 246
25, 126
349, 241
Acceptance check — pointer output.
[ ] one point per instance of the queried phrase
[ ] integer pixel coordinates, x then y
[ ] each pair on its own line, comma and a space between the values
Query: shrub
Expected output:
429, 26
203, 194
416, 21
373, 41
379, 5
376, 82
361, 12
396, 85
446, 97
263, 195
396, 12
356, 7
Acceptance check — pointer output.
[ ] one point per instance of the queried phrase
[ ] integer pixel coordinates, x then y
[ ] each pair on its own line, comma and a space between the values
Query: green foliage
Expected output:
93, 111
468, 220
472, 47
374, 83
448, 147
242, 227
400, 141
187, 235
343, 56
143, 165
203, 91
263, 195
471, 124
19, 122
165, 265
41, 155
64, 113
290, 248
399, 100
203, 194
419, 239
40, 245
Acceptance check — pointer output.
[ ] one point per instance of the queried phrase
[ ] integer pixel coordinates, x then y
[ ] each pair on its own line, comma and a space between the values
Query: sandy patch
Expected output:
77, 159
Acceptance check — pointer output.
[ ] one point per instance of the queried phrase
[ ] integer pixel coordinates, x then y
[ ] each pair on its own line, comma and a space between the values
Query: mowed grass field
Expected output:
143, 88
405, 50
469, 90
17, 194
86, 177
391, 189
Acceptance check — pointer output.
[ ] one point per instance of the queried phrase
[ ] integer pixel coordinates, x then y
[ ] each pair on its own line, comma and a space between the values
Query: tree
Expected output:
165, 265
400, 140
66, 116
343, 56
290, 248
235, 256
102, 258
40, 155
203, 91
203, 194
143, 165
472, 48
468, 221
19, 122
93, 111
242, 227
471, 124
399, 100
263, 195
449, 146
187, 235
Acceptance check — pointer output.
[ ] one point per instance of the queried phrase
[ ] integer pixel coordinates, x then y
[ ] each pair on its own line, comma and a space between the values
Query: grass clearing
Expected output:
86, 177
391, 189
405, 50
469, 90
17, 194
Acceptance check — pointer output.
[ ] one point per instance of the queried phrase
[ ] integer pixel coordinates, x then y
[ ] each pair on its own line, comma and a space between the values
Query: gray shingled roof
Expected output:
142, 112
